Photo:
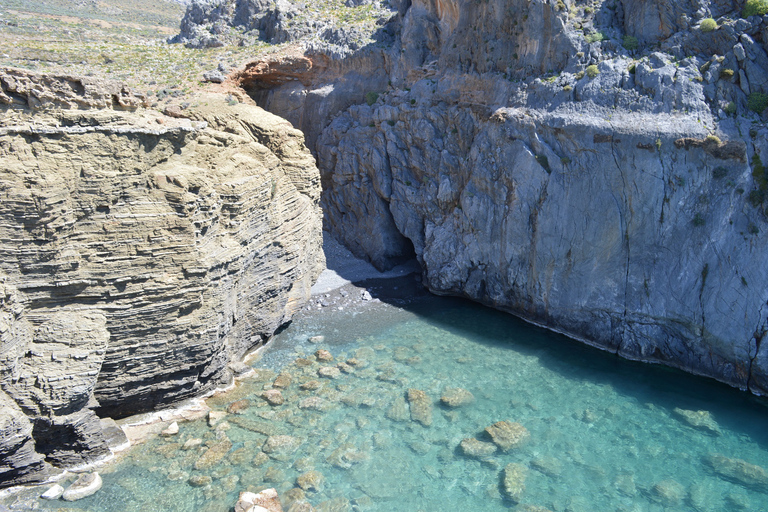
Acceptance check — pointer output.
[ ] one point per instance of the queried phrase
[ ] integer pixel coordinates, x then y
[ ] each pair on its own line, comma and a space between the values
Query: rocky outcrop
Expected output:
546, 159
141, 254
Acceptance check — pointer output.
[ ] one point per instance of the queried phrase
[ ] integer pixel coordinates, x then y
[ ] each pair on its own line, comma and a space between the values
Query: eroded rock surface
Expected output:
140, 255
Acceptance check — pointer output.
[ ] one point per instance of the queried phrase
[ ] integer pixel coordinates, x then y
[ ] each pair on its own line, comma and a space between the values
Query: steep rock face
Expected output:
142, 254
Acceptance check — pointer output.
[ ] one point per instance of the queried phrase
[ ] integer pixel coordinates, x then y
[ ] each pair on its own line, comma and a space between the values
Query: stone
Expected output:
317, 339
274, 474
53, 493
311, 481
214, 417
281, 447
668, 492
200, 480
86, 484
323, 356
239, 406
345, 456
214, 454
335, 505
701, 420
738, 471
171, 430
398, 411
507, 435
549, 466
311, 385
314, 403
282, 381
192, 443
264, 501
291, 496
513, 481
421, 407
471, 447
301, 506
329, 372
273, 397
456, 397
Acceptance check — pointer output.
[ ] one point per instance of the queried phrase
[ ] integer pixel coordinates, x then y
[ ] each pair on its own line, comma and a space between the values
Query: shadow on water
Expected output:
664, 387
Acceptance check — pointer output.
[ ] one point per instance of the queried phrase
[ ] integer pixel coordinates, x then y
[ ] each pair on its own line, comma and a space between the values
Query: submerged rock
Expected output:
323, 356
85, 485
471, 447
215, 416
668, 492
456, 397
549, 466
345, 456
281, 447
264, 501
701, 420
398, 411
273, 397
514, 481
738, 471
311, 385
329, 372
311, 481
214, 454
301, 506
283, 381
421, 406
200, 480
507, 435
172, 430
239, 407
314, 403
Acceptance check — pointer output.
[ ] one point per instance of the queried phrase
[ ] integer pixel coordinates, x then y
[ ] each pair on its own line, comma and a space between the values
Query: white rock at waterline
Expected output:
53, 493
86, 485
172, 430
317, 339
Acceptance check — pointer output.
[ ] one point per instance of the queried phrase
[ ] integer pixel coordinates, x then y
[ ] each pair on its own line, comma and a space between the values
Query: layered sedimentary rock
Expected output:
141, 254
593, 168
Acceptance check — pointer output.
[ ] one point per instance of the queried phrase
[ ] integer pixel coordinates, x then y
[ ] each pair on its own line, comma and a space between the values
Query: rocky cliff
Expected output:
142, 256
592, 167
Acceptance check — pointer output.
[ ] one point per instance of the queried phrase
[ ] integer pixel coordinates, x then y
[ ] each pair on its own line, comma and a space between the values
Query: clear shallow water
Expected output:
604, 434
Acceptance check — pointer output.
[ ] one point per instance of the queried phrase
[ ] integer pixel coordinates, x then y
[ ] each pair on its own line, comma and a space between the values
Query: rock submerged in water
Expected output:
273, 397
701, 420
471, 447
507, 435
264, 501
281, 447
421, 406
668, 492
214, 454
239, 407
329, 372
514, 481
456, 397
311, 481
738, 471
85, 485
398, 411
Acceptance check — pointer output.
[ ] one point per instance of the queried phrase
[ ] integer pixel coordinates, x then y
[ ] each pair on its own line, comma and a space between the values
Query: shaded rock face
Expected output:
142, 254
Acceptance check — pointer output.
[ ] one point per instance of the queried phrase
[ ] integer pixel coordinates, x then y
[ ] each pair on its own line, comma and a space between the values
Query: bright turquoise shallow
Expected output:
604, 434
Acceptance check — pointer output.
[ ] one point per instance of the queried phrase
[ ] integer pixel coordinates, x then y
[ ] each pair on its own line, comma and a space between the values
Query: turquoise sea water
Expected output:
605, 434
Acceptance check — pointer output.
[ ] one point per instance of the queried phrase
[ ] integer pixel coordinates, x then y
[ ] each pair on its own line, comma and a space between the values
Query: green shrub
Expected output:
730, 109
713, 139
567, 88
708, 25
630, 43
592, 71
757, 102
579, 75
755, 8
544, 162
371, 97
726, 73
594, 37
719, 173
698, 220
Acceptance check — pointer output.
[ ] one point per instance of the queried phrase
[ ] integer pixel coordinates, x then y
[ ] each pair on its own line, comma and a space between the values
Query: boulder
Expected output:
471, 447
421, 406
507, 435
456, 397
513, 480
86, 484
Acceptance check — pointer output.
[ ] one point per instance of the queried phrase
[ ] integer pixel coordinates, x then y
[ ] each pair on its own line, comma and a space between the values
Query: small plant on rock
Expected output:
371, 97
726, 73
712, 139
592, 71
630, 43
730, 109
708, 25
594, 37
755, 8
757, 102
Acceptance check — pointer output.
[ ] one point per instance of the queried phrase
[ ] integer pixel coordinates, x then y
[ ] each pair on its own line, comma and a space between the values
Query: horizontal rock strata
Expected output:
141, 254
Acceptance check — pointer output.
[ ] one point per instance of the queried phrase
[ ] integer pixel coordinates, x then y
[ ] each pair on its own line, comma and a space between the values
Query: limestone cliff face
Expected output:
621, 203
141, 255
